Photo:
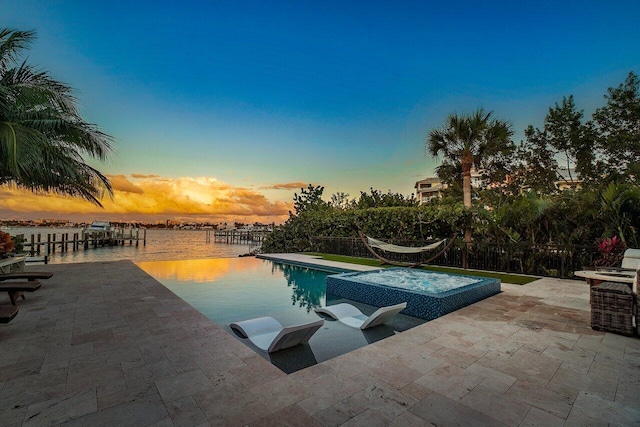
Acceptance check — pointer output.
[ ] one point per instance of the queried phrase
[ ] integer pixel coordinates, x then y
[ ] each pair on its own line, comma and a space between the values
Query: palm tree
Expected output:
42, 136
470, 140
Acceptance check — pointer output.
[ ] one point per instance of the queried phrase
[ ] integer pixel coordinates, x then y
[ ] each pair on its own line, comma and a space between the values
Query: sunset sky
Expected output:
221, 110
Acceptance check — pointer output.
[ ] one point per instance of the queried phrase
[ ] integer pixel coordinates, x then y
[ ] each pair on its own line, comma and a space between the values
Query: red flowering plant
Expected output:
6, 243
611, 252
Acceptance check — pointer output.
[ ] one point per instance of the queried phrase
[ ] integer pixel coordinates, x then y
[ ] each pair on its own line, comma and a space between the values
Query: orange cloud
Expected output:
121, 183
285, 186
146, 197
139, 175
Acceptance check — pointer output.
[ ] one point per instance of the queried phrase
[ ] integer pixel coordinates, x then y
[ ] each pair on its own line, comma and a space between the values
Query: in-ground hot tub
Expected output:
428, 294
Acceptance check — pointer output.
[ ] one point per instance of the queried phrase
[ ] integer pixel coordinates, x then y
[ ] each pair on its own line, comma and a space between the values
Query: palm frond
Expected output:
12, 42
42, 136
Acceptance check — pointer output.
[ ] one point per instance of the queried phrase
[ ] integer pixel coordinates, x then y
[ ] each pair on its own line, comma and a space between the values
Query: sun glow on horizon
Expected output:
148, 197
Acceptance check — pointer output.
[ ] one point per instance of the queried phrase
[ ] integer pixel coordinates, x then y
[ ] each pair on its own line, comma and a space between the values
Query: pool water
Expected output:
228, 290
231, 289
417, 280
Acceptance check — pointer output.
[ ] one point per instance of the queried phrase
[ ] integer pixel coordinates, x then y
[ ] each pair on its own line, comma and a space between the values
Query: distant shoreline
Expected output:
162, 245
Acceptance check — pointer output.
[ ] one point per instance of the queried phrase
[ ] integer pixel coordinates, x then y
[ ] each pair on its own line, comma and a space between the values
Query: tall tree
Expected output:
42, 137
378, 199
564, 143
617, 130
472, 140
538, 168
309, 199
340, 200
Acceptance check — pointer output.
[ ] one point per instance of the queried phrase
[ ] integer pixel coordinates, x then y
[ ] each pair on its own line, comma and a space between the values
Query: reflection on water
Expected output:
308, 285
234, 289
201, 270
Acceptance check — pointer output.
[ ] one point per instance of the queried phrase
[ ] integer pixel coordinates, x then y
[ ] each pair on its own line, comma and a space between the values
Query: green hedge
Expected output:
391, 223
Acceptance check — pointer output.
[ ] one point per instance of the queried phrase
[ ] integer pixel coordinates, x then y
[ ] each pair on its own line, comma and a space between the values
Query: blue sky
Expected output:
342, 94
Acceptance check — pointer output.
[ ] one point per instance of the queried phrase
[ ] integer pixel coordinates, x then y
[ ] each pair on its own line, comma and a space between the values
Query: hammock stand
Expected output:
370, 243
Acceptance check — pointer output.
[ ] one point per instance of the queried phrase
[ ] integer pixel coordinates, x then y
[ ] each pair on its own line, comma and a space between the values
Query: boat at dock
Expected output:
101, 226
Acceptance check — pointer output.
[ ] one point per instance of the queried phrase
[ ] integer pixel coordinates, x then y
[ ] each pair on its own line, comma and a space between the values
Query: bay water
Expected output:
162, 245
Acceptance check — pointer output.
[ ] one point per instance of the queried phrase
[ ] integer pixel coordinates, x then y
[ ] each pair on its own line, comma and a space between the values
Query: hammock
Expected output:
388, 247
371, 243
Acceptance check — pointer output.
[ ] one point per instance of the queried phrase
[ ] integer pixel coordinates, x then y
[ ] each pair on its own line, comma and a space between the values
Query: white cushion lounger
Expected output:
269, 335
631, 260
350, 315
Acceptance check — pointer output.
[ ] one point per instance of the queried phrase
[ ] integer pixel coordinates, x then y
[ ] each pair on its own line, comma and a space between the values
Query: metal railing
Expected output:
539, 259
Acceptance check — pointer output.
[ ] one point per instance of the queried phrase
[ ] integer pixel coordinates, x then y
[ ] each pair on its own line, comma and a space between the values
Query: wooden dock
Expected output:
234, 236
41, 246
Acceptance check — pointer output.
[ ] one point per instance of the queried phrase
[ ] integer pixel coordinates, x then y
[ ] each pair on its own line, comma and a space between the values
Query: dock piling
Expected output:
82, 240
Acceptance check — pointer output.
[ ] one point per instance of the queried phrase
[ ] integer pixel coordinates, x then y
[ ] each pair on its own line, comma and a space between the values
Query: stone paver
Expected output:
106, 344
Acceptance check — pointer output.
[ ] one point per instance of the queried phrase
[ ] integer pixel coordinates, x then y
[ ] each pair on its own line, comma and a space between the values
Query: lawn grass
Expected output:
515, 279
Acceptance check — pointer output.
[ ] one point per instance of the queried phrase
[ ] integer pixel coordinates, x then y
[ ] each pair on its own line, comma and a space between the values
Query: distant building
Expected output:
52, 222
429, 188
569, 179
477, 181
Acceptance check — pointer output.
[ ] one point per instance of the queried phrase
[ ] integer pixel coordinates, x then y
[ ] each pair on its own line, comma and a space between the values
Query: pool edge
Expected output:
422, 305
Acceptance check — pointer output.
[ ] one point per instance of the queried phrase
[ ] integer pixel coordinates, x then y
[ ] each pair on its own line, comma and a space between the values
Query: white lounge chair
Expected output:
351, 316
269, 335
631, 260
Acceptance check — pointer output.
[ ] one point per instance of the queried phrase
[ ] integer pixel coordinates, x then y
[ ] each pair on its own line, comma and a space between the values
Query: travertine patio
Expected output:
105, 344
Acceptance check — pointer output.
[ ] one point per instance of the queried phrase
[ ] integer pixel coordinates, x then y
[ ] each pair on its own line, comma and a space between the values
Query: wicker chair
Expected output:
613, 306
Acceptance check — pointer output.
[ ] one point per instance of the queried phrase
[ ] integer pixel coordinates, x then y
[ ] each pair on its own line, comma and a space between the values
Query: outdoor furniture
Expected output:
631, 260
371, 243
7, 265
623, 274
7, 313
596, 277
612, 308
16, 289
269, 335
29, 275
351, 316
636, 313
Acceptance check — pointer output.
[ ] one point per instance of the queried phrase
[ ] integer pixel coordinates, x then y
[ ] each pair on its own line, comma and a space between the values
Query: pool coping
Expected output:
314, 261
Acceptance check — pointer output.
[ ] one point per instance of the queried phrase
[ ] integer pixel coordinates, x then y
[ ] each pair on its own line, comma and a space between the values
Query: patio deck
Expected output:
106, 344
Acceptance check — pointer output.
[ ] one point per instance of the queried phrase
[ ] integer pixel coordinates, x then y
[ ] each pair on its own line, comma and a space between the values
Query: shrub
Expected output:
611, 252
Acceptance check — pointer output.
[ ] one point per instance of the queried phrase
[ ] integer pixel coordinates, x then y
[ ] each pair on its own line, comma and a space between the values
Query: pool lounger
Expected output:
350, 315
16, 289
29, 275
269, 335
7, 313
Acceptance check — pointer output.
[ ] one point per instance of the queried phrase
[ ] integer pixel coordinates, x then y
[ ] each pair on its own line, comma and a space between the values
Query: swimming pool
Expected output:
428, 295
228, 290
